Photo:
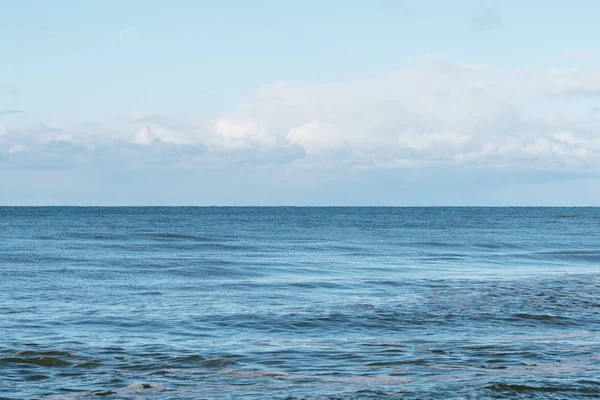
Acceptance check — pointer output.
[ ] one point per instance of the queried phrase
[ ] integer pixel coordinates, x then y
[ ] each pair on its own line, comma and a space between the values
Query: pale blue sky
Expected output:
313, 102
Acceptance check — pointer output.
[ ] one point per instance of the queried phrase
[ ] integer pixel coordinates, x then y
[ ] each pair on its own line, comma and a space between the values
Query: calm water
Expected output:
300, 303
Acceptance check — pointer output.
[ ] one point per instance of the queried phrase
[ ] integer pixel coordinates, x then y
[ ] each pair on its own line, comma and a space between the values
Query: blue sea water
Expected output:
299, 303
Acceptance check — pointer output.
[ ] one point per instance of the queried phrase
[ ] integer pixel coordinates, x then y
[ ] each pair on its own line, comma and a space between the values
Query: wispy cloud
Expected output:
158, 119
582, 53
568, 82
11, 112
486, 20
9, 90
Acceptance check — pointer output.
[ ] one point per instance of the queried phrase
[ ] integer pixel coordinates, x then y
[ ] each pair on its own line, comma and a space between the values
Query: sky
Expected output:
353, 102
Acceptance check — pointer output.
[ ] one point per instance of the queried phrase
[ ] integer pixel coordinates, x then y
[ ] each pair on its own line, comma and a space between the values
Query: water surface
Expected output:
299, 303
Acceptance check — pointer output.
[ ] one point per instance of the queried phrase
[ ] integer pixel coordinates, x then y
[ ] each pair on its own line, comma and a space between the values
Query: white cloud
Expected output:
410, 108
241, 133
18, 148
572, 82
128, 36
3, 130
582, 53
315, 137
441, 113
170, 129
144, 136
438, 114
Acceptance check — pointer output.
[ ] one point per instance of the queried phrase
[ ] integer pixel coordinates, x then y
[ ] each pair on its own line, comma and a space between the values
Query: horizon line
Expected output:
293, 206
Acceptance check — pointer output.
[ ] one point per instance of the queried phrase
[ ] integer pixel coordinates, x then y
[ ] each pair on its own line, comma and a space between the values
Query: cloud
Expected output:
240, 132
315, 137
25, 150
157, 119
486, 20
440, 132
582, 53
144, 136
9, 90
572, 82
17, 148
440, 114
128, 36
437, 114
409, 111
170, 129
11, 112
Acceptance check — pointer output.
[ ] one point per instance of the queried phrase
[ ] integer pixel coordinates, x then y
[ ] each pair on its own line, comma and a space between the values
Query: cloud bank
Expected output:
443, 114
440, 114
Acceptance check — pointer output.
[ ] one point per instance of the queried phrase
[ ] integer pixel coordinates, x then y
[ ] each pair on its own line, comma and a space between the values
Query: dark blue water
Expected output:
300, 303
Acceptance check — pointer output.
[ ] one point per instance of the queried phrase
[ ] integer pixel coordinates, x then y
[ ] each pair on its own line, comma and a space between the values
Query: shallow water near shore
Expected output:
299, 303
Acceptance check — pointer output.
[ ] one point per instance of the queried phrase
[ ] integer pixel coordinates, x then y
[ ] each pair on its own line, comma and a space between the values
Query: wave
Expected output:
166, 236
517, 388
41, 361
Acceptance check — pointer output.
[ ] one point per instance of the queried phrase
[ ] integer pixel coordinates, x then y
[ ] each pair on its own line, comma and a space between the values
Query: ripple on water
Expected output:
300, 303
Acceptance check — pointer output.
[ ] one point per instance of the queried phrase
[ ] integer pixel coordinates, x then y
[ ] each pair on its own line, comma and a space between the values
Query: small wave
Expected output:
101, 393
45, 353
514, 388
37, 377
41, 361
96, 236
558, 336
89, 364
572, 252
444, 257
181, 236
368, 380
592, 256
193, 359
218, 363
151, 293
358, 395
497, 245
259, 374
437, 244
136, 388
145, 387
216, 272
556, 319
371, 380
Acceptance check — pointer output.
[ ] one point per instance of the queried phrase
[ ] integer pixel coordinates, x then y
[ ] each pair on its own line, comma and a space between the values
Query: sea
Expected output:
299, 303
